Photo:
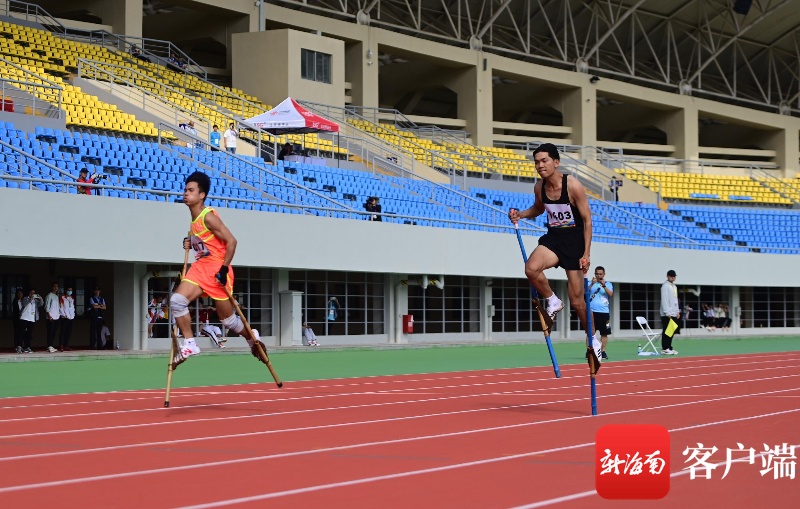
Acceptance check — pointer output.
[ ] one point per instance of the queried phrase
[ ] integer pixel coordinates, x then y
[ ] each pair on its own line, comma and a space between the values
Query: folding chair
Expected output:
649, 334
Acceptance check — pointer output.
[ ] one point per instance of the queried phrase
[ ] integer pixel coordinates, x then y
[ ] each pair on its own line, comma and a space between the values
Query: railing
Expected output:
43, 99
31, 12
775, 185
437, 160
419, 221
23, 157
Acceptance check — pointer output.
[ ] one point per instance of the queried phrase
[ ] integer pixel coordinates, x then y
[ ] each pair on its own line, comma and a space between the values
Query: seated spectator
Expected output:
189, 128
105, 337
209, 330
373, 205
309, 338
286, 150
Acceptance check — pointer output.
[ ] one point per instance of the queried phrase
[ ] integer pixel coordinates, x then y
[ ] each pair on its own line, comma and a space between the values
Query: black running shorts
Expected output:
568, 247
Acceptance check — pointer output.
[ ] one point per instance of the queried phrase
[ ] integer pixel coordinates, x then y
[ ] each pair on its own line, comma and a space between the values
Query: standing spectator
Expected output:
29, 316
333, 308
67, 313
230, 136
215, 138
19, 326
83, 176
286, 150
669, 311
51, 309
156, 312
97, 305
599, 294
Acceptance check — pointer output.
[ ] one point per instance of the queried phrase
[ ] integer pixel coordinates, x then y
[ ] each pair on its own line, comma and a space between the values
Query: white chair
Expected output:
649, 334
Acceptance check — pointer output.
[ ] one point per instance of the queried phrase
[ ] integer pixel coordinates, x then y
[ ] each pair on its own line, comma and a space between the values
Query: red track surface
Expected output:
489, 439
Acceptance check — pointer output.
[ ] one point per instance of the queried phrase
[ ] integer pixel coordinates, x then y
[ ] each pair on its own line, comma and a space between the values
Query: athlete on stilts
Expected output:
211, 274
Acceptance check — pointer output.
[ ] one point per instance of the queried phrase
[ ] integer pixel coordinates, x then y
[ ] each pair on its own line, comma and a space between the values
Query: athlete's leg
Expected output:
541, 259
576, 296
185, 294
229, 318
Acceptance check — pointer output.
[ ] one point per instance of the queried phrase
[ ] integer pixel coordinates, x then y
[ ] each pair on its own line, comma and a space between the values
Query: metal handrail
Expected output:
38, 160
36, 13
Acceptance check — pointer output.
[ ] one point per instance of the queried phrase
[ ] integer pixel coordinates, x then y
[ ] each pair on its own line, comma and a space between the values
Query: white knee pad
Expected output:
179, 305
234, 323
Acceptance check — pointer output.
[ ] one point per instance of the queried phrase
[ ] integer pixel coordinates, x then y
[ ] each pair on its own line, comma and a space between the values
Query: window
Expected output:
769, 307
315, 66
514, 311
453, 309
360, 301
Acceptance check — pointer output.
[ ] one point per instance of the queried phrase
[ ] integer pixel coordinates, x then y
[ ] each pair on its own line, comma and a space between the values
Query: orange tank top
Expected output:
205, 243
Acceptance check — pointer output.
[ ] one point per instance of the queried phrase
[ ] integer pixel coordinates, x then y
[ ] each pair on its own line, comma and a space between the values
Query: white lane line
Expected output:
320, 487
584, 494
239, 461
327, 426
682, 363
383, 404
398, 392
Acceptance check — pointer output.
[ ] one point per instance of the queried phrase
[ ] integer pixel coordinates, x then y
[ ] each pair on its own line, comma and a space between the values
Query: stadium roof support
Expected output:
701, 47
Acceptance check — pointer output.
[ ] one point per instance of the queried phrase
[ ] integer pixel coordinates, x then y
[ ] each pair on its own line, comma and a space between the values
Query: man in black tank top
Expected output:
568, 240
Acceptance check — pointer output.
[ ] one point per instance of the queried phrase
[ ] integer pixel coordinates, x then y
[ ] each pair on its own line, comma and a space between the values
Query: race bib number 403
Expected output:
559, 215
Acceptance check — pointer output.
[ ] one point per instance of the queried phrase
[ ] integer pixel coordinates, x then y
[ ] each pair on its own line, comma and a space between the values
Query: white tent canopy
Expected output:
290, 117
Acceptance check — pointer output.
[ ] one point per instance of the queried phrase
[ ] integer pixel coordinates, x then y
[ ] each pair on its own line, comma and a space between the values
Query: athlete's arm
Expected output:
220, 231
577, 194
534, 210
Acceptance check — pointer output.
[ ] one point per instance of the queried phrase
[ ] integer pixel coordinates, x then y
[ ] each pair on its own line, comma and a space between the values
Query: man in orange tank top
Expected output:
568, 240
211, 274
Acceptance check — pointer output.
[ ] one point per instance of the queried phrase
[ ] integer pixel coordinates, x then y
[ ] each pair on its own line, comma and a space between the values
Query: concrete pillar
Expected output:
786, 144
579, 111
361, 71
128, 305
474, 88
683, 132
124, 16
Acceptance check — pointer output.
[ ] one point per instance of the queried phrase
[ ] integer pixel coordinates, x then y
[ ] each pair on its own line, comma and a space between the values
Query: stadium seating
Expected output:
716, 188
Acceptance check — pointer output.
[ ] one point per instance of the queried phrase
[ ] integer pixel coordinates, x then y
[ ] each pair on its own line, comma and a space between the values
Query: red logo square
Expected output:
632, 462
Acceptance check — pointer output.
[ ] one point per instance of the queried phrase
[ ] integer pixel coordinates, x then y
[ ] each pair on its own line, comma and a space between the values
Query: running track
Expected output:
512, 438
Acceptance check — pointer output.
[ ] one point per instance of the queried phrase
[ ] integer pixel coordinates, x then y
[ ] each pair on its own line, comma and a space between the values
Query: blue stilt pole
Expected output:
535, 296
589, 336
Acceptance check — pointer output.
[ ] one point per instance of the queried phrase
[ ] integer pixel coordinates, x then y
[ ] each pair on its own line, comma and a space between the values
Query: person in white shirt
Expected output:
67, 313
29, 315
230, 136
669, 310
53, 313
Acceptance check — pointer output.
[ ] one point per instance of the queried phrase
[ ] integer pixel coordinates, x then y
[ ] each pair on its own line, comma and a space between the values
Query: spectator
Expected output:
210, 330
29, 316
189, 128
230, 136
105, 337
670, 311
19, 326
599, 294
726, 316
67, 313
709, 317
53, 313
83, 177
182, 64
373, 206
309, 338
614, 184
333, 308
155, 313
286, 150
215, 138
97, 308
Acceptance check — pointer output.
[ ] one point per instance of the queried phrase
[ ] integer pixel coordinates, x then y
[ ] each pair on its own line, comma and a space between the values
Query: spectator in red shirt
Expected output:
84, 177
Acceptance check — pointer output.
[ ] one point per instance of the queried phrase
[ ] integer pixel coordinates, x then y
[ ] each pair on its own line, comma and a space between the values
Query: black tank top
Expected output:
562, 216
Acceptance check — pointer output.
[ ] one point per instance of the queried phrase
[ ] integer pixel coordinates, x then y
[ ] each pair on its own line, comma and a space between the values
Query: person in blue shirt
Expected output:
214, 137
600, 292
